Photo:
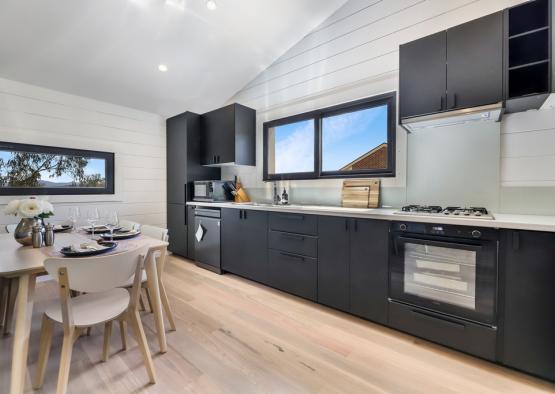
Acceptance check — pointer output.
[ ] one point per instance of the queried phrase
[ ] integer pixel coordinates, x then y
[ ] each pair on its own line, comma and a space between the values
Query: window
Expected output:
356, 139
35, 169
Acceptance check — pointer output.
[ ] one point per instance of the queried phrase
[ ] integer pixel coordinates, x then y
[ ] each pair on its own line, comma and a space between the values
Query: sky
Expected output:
94, 166
345, 137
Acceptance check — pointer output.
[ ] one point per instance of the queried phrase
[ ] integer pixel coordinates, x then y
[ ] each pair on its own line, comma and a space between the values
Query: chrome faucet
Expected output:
277, 198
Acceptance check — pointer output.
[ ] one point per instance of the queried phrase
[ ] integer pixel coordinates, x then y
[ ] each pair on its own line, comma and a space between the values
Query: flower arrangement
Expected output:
30, 208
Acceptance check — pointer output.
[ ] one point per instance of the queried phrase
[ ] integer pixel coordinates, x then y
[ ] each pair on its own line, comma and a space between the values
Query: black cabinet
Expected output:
177, 229
369, 269
333, 262
353, 266
229, 136
527, 274
458, 68
293, 273
182, 168
244, 237
190, 232
475, 63
422, 76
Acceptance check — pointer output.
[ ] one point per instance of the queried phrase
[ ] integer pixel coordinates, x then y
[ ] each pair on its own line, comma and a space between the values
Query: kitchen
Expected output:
379, 194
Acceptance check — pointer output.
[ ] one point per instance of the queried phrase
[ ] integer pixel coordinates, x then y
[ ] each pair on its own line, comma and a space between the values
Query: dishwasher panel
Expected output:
207, 239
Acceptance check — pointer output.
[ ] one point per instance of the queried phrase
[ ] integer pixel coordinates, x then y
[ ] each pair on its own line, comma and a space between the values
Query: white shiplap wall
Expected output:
528, 149
353, 54
34, 115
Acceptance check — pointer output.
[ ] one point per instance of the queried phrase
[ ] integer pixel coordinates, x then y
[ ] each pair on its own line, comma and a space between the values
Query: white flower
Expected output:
30, 208
12, 207
47, 207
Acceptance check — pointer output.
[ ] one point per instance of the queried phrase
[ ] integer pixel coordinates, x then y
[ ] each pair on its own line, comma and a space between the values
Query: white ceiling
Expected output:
110, 49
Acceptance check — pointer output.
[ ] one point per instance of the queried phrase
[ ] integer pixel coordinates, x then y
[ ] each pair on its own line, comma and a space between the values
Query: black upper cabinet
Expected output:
369, 269
475, 63
458, 68
229, 136
244, 242
333, 262
528, 321
422, 76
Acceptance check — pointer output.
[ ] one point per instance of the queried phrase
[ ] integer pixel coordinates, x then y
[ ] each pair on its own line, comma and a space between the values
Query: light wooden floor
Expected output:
235, 336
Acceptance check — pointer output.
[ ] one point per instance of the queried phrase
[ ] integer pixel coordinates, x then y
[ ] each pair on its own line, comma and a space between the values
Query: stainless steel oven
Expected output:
447, 269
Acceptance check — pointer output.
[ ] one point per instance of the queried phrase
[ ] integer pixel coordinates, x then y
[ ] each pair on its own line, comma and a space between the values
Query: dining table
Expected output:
25, 263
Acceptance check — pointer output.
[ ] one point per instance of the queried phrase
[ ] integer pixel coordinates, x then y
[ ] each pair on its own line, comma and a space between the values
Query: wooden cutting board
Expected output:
364, 193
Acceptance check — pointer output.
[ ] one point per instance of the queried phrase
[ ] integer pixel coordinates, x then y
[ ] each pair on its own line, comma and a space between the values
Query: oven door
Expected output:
457, 277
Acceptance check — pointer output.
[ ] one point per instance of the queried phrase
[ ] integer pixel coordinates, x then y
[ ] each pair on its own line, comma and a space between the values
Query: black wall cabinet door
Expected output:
218, 137
475, 63
422, 76
369, 269
177, 229
244, 237
528, 327
333, 262
176, 157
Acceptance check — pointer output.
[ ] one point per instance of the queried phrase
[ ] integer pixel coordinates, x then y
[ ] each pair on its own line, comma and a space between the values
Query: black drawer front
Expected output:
293, 274
294, 243
457, 334
294, 223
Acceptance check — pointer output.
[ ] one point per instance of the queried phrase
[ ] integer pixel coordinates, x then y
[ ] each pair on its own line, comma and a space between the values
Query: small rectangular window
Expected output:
355, 139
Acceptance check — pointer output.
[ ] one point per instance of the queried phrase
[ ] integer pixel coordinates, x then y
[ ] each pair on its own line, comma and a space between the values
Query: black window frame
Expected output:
389, 99
19, 191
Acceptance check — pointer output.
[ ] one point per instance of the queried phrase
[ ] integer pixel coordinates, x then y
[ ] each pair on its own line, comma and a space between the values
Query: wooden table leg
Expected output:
154, 289
24, 312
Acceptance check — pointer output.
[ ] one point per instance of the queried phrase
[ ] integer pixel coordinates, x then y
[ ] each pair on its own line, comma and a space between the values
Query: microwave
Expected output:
212, 191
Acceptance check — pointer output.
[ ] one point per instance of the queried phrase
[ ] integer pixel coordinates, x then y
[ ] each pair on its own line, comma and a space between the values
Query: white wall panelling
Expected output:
34, 115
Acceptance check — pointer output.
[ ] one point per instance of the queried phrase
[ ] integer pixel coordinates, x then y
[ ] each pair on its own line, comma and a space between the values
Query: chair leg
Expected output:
88, 332
166, 305
65, 361
44, 350
107, 335
10, 305
140, 337
149, 300
123, 333
141, 303
3, 300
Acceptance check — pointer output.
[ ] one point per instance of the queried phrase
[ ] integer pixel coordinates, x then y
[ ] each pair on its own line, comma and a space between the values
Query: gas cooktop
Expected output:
436, 210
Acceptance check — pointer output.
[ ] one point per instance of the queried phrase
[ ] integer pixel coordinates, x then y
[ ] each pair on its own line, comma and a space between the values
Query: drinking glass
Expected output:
73, 217
92, 218
112, 221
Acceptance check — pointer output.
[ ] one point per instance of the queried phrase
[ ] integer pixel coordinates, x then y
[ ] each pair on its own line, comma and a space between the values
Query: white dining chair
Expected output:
8, 291
10, 228
162, 234
104, 301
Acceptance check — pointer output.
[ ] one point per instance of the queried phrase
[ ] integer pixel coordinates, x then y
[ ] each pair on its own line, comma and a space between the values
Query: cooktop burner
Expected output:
436, 210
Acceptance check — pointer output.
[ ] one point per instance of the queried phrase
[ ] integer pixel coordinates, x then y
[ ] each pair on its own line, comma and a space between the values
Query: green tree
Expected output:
25, 169
94, 180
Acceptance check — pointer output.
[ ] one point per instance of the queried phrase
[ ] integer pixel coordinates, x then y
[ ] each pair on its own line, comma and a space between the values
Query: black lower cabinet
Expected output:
527, 274
244, 243
293, 273
459, 334
368, 270
333, 262
191, 232
177, 223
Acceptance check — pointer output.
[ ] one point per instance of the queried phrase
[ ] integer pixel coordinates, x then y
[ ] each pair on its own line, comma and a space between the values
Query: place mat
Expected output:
79, 238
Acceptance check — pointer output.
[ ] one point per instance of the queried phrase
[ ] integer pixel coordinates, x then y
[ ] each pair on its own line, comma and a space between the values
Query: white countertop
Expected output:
502, 220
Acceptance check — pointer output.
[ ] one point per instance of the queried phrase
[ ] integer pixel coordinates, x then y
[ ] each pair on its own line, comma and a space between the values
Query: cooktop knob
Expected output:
476, 233
403, 227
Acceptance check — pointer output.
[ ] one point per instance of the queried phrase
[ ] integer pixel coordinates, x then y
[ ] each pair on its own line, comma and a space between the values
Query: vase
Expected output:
24, 231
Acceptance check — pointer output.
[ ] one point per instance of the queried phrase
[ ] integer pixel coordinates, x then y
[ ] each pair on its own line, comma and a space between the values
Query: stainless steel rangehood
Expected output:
484, 113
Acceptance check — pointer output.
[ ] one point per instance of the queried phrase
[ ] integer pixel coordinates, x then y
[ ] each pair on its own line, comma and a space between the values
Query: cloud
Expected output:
295, 153
340, 127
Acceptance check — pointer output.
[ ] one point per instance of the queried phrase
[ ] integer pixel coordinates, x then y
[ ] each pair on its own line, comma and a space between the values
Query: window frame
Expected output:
389, 99
61, 191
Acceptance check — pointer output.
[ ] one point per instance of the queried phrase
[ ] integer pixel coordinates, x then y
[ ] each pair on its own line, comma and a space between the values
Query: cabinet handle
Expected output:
454, 100
346, 224
240, 214
185, 216
293, 236
218, 157
516, 240
244, 214
292, 256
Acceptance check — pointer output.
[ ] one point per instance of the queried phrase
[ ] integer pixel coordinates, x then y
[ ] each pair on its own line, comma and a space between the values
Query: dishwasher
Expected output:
207, 238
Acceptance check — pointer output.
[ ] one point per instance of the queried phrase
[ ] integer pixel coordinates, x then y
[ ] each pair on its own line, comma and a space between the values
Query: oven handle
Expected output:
443, 244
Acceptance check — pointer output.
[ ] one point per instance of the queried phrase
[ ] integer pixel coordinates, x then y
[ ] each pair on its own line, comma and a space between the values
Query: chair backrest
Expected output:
99, 273
10, 228
155, 232
128, 224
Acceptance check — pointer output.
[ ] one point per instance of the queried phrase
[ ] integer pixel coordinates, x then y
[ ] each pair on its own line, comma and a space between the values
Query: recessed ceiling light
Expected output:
211, 5
163, 68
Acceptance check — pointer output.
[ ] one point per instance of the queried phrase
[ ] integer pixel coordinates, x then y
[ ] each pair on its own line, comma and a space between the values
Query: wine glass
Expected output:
73, 217
92, 218
112, 221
